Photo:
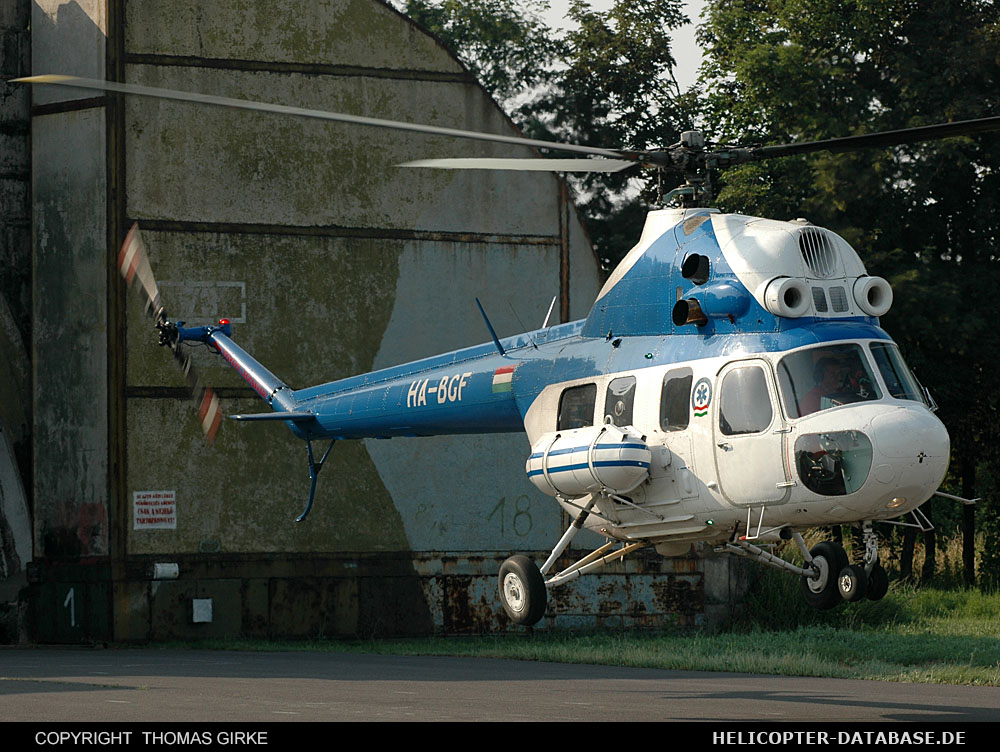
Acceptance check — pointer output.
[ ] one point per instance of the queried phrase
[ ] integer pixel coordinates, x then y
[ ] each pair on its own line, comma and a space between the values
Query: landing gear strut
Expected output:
878, 580
524, 587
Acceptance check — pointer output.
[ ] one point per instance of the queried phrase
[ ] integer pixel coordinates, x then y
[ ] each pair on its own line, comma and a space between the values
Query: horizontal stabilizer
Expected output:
282, 416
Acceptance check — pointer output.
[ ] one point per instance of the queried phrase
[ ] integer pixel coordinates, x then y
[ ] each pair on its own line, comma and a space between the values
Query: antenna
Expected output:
523, 327
551, 306
489, 326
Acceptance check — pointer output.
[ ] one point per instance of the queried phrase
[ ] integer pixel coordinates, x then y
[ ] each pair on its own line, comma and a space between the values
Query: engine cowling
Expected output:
595, 458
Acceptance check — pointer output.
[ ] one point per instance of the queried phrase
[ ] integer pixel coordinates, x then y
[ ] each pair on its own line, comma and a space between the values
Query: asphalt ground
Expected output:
108, 686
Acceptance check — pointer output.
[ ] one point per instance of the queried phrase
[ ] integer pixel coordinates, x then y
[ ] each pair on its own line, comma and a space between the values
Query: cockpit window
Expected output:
900, 382
825, 377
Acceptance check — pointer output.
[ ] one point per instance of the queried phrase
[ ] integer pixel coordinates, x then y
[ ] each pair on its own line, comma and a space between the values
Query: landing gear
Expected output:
852, 583
878, 580
522, 590
878, 583
523, 586
821, 588
827, 577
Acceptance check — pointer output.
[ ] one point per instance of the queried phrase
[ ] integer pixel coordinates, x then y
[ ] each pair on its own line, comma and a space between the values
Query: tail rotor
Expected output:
133, 264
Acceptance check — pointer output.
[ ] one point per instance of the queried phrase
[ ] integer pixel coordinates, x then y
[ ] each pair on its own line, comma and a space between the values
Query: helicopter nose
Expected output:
909, 432
913, 450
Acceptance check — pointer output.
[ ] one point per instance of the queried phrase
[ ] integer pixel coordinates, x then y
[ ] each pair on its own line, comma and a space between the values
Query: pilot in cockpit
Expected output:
839, 378
828, 376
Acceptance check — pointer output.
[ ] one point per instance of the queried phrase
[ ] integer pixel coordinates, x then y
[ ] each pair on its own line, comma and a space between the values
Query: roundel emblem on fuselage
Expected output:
701, 397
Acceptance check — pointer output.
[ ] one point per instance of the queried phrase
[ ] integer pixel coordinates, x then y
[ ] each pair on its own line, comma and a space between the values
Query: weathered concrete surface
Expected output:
214, 164
326, 31
70, 336
311, 309
336, 262
466, 493
15, 180
314, 595
244, 493
69, 38
15, 313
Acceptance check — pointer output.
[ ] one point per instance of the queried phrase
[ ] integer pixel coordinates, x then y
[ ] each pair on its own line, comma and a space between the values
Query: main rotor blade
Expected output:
881, 139
533, 165
246, 104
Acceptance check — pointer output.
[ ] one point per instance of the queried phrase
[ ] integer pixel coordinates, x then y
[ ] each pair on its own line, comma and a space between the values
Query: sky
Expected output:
685, 49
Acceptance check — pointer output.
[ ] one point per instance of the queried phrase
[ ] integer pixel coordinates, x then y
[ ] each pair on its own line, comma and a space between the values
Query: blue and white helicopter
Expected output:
731, 384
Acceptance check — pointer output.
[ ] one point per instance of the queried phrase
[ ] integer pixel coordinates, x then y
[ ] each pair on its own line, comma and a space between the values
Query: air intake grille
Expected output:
819, 300
838, 297
818, 252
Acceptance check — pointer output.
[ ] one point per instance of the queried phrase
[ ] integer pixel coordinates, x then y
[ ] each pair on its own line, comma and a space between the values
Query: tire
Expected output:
820, 591
522, 590
852, 583
878, 583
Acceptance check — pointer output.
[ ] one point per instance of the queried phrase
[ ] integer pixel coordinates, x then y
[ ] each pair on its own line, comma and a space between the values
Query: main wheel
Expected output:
852, 583
820, 590
522, 590
878, 583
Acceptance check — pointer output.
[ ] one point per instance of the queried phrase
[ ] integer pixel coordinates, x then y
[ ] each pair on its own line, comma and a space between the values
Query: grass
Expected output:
925, 635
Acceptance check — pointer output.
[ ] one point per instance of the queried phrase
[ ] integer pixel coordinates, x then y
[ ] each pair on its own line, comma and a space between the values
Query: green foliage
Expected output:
617, 90
607, 82
988, 523
505, 43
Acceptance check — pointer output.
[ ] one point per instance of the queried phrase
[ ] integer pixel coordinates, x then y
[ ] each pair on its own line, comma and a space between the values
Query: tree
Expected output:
925, 215
618, 90
608, 82
506, 43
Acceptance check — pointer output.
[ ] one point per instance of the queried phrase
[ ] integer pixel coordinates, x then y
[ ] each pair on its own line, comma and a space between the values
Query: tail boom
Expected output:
271, 389
455, 395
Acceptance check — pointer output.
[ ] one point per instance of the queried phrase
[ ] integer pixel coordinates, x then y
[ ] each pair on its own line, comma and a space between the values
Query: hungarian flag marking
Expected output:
502, 378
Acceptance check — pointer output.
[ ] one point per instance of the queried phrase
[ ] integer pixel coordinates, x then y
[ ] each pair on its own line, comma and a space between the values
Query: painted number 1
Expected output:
71, 602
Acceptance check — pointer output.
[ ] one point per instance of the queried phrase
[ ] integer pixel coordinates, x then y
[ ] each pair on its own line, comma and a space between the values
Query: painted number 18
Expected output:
521, 521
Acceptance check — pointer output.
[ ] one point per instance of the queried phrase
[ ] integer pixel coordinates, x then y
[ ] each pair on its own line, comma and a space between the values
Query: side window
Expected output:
576, 407
675, 410
619, 400
745, 405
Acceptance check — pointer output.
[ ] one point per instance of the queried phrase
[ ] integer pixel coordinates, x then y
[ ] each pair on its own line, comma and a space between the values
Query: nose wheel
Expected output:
821, 589
852, 583
878, 583
522, 590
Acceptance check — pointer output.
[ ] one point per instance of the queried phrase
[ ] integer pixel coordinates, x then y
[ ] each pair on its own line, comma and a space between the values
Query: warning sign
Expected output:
154, 510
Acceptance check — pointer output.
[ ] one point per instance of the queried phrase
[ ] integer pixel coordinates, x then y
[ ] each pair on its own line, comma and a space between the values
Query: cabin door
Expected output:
750, 435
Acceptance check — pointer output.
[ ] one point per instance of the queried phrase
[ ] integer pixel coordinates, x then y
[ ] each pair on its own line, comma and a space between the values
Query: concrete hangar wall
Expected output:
330, 262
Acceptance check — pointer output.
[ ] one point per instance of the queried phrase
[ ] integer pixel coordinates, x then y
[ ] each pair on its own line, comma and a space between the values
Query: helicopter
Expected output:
731, 385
